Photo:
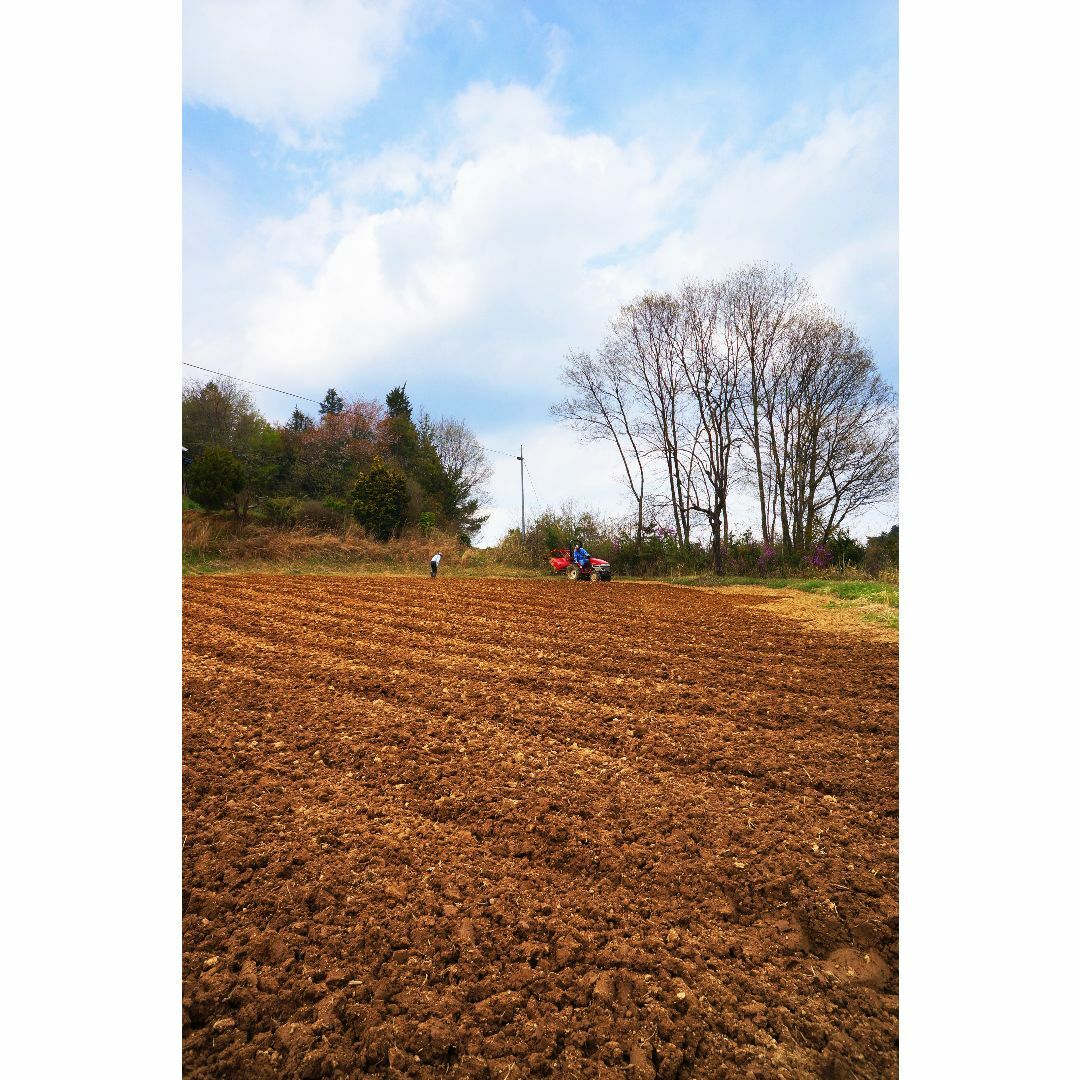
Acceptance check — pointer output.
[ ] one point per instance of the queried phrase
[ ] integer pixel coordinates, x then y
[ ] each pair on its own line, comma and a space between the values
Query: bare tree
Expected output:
828, 429
844, 434
760, 303
465, 467
648, 338
601, 408
217, 413
460, 453
711, 373
745, 379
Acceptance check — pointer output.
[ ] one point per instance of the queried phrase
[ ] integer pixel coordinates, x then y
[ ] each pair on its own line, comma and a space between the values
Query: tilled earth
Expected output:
489, 828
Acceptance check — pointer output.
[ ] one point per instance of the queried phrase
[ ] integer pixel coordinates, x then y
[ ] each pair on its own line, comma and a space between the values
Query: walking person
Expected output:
435, 560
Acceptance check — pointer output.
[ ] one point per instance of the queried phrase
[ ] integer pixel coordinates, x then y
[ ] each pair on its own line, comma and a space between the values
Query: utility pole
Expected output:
522, 460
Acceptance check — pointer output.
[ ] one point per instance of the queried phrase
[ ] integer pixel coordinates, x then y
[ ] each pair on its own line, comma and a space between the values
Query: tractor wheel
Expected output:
573, 573
594, 576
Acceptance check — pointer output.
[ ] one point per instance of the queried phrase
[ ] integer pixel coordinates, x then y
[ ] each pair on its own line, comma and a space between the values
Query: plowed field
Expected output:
484, 828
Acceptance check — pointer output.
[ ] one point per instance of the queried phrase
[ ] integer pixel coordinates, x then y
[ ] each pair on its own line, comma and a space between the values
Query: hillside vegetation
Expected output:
362, 461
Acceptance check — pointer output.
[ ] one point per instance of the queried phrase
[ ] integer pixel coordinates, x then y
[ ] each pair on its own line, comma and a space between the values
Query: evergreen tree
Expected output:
215, 478
462, 505
458, 473
300, 421
397, 403
380, 500
402, 436
845, 550
333, 404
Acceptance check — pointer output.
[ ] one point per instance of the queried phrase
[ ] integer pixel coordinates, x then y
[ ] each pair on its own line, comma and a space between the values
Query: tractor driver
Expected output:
581, 557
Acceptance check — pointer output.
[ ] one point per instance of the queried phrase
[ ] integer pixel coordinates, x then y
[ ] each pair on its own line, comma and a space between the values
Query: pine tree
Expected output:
402, 437
300, 421
398, 404
333, 404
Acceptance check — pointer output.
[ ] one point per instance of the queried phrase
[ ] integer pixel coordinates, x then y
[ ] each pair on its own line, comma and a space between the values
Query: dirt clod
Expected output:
533, 831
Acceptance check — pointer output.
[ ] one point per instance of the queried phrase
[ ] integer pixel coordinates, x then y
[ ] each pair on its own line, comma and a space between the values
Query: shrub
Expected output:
282, 513
380, 499
819, 558
215, 478
743, 556
882, 552
844, 550
767, 557
318, 515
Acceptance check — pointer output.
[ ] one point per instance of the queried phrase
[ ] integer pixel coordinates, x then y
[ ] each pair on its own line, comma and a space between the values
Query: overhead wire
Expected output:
251, 382
536, 494
300, 397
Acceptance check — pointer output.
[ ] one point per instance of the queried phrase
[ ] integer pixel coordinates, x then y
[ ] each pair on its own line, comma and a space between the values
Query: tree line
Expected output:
371, 460
657, 554
747, 382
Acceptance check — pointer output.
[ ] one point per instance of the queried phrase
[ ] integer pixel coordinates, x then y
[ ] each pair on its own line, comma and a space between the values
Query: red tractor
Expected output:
562, 562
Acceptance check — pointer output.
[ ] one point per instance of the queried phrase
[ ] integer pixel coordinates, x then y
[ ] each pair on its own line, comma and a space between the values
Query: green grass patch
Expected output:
883, 617
877, 592
872, 591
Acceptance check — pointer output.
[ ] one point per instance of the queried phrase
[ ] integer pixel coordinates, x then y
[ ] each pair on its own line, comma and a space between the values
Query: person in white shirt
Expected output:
435, 560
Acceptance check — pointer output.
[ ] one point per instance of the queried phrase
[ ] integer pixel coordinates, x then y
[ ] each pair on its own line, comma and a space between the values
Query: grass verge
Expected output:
874, 601
193, 565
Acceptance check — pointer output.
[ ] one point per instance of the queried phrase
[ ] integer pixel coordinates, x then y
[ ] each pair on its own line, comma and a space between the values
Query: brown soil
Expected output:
526, 828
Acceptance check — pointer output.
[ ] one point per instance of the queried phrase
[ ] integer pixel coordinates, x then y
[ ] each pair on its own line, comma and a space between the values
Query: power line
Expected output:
531, 484
300, 397
250, 382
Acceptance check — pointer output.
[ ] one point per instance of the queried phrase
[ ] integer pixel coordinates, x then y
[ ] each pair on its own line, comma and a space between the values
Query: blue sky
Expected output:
454, 194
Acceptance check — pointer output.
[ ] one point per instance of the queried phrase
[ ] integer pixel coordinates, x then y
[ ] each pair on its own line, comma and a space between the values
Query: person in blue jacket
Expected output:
581, 557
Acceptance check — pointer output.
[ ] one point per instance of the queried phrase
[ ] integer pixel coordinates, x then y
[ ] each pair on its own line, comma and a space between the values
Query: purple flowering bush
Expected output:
766, 559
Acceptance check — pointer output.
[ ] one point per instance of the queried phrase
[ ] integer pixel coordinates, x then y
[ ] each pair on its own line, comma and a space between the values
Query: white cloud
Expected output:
296, 66
516, 240
556, 51
492, 252
826, 207
492, 261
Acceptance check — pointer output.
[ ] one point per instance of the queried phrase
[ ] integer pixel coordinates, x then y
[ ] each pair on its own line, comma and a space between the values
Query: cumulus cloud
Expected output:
507, 249
492, 251
295, 66
518, 240
826, 206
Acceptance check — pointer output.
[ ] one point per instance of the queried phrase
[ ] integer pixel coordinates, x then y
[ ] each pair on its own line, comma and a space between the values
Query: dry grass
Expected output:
861, 617
867, 617
220, 544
